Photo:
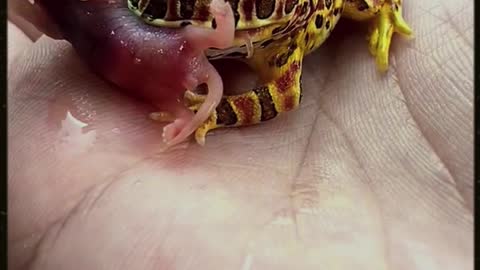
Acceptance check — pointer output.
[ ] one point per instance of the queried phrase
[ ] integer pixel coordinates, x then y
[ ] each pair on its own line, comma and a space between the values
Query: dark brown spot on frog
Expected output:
328, 4
279, 10
266, 102
248, 9
156, 9
202, 13
289, 5
320, 4
327, 24
225, 114
186, 8
319, 21
264, 8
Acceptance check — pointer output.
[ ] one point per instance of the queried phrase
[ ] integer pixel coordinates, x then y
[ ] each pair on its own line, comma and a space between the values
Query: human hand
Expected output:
372, 172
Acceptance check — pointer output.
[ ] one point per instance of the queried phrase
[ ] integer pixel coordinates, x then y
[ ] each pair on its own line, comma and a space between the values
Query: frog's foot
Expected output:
223, 32
389, 20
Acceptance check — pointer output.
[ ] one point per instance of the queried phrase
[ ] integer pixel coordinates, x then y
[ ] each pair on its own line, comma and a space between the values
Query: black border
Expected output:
3, 188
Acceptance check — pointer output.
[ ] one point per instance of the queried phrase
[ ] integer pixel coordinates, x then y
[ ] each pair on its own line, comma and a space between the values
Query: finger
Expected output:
31, 19
18, 42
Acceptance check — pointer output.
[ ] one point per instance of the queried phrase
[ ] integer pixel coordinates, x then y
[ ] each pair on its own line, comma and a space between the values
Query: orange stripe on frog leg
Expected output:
247, 108
286, 91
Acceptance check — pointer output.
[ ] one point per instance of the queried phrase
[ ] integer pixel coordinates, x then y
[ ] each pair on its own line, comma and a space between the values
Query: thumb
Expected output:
32, 19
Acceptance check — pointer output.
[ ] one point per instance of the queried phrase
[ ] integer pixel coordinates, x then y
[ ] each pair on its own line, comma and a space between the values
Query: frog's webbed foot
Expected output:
388, 21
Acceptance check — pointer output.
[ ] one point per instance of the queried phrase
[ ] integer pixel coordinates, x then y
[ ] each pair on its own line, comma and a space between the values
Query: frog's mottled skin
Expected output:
273, 36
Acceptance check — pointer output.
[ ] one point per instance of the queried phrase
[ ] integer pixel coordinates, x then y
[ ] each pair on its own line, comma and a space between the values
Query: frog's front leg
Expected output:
280, 90
387, 19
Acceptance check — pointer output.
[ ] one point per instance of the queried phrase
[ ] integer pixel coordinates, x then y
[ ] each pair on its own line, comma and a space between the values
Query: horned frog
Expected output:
272, 37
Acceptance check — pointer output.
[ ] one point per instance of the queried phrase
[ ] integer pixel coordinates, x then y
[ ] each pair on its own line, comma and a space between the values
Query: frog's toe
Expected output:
401, 26
389, 21
379, 45
193, 100
202, 131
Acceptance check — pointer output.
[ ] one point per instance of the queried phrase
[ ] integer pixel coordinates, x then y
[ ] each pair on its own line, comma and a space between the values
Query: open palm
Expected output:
372, 172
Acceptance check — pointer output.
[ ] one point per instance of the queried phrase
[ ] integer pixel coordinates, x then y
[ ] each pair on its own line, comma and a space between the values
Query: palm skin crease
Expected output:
372, 172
